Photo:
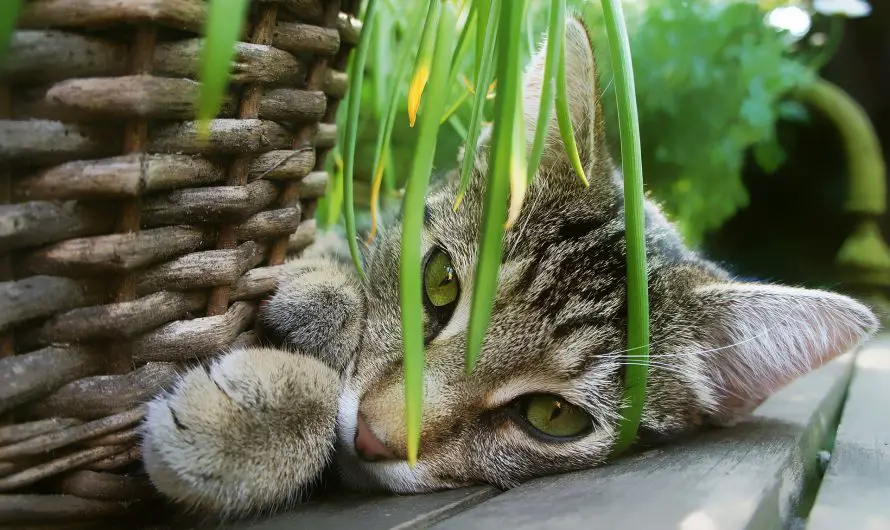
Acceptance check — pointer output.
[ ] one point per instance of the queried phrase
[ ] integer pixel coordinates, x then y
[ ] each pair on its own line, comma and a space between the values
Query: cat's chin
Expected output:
394, 476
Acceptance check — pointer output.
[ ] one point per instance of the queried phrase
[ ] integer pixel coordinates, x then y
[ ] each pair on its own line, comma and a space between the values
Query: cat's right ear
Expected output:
756, 338
584, 106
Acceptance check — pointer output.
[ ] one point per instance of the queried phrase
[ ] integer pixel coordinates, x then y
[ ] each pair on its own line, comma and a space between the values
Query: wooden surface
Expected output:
855, 492
376, 513
764, 473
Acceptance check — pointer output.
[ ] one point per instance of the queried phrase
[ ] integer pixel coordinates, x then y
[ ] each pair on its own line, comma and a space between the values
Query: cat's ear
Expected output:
584, 107
583, 99
755, 339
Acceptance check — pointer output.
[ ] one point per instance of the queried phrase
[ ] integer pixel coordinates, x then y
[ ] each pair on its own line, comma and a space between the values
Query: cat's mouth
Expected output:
368, 447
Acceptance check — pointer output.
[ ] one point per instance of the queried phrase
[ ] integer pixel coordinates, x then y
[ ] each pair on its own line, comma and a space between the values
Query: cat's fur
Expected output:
249, 432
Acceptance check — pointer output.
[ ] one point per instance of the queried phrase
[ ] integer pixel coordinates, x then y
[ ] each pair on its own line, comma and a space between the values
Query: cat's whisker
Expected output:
716, 385
700, 353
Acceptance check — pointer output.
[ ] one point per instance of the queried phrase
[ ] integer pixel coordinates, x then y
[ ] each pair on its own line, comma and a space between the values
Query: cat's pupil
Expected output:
557, 410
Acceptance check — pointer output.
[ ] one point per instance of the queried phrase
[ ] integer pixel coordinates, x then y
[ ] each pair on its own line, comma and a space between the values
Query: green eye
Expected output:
556, 417
439, 280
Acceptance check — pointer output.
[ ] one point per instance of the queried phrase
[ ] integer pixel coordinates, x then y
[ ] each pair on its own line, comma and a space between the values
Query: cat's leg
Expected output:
244, 434
319, 305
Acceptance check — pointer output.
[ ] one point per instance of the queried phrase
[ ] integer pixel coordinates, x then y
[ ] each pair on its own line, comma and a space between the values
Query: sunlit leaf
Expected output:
482, 77
504, 136
410, 280
385, 126
222, 29
564, 117
422, 62
555, 37
518, 177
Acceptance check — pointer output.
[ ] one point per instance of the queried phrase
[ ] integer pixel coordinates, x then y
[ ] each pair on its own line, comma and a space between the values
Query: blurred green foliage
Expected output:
712, 80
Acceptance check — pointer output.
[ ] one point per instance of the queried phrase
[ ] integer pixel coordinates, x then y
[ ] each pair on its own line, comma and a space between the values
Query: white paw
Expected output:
245, 435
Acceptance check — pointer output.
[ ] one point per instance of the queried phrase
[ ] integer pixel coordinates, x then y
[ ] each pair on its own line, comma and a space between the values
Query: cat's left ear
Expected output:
584, 106
753, 339
583, 98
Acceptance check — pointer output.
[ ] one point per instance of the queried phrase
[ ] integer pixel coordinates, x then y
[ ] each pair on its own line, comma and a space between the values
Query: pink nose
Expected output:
368, 446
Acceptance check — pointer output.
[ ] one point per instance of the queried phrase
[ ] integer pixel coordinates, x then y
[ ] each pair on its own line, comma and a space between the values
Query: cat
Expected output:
249, 431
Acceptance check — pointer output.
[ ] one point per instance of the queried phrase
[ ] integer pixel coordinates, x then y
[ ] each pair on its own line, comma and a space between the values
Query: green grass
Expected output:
9, 14
222, 29
634, 221
508, 156
356, 77
443, 26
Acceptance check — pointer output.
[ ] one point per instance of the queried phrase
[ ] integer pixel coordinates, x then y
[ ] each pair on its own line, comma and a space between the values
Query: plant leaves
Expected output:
508, 100
410, 275
636, 374
225, 20
356, 75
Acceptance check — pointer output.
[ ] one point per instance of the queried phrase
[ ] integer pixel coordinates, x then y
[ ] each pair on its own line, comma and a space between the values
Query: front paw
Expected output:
245, 435
318, 309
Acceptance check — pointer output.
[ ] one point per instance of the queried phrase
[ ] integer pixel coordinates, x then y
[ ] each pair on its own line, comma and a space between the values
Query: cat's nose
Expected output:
368, 446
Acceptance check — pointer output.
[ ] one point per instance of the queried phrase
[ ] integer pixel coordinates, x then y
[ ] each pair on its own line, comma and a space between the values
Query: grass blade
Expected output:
555, 35
483, 15
463, 39
564, 117
479, 95
9, 15
411, 283
637, 282
510, 14
385, 126
225, 20
422, 62
356, 73
518, 176
334, 192
455, 106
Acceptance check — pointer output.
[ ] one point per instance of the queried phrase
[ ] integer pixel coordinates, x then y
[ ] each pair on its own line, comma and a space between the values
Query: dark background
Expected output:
795, 223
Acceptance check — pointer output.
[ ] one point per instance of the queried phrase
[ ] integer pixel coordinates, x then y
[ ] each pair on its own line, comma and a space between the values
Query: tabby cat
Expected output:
248, 432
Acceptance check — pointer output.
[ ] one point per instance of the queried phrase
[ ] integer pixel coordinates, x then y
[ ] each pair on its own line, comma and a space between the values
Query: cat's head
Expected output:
546, 394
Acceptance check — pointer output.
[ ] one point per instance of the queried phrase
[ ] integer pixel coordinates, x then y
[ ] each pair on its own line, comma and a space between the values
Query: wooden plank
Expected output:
749, 476
374, 513
855, 492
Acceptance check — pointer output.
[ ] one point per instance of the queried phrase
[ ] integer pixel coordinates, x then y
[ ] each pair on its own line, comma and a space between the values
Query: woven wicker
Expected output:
127, 245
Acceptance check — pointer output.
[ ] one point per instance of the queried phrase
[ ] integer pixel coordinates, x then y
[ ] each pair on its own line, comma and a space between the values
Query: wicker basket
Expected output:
128, 246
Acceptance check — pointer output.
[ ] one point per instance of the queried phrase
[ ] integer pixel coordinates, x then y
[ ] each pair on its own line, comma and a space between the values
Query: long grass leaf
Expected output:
411, 282
497, 188
637, 282
225, 20
483, 14
479, 95
564, 116
9, 15
464, 38
555, 36
422, 62
385, 125
334, 197
356, 74
449, 112
518, 177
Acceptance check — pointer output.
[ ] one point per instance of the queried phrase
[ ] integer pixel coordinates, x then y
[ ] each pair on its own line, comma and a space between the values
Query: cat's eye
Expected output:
555, 417
440, 284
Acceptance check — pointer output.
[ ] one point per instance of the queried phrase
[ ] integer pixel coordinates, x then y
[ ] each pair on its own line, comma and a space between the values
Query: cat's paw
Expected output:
245, 435
318, 308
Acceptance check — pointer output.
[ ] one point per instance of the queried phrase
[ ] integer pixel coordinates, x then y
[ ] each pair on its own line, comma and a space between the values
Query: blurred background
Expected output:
765, 125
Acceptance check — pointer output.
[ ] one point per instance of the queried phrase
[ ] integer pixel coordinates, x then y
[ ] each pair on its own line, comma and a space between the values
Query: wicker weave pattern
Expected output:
127, 245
